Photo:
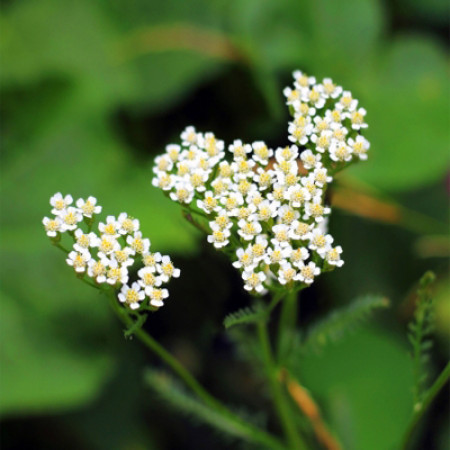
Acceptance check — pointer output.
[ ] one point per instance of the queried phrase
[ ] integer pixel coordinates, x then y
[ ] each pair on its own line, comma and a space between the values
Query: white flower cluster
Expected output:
266, 206
108, 256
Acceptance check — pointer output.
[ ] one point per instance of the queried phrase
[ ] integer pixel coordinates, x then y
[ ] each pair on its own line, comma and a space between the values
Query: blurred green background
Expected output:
92, 91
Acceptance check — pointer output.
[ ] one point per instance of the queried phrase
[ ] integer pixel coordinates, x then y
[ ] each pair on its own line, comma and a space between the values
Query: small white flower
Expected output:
248, 230
258, 249
335, 116
126, 224
242, 169
263, 178
310, 159
347, 102
131, 296
307, 272
281, 235
167, 269
314, 96
357, 118
245, 259
89, 207
173, 151
286, 153
116, 273
298, 255
164, 181
316, 210
321, 177
232, 202
320, 242
163, 164
310, 185
123, 256
297, 195
338, 132
106, 244
322, 141
359, 147
70, 218
209, 203
277, 255
151, 260
138, 243
261, 153
189, 136
197, 179
287, 215
286, 273
221, 222
330, 89
292, 95
84, 241
60, 203
219, 238
78, 260
254, 281
110, 228
157, 296
184, 193
52, 226
299, 134
333, 256
340, 151
300, 230
302, 80
97, 269
147, 278
239, 150
266, 210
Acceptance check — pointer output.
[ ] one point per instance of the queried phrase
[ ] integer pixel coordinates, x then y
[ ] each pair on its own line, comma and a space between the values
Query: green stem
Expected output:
246, 429
428, 399
286, 325
278, 395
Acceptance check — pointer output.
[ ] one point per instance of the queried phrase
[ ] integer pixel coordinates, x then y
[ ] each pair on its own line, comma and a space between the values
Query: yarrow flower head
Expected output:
267, 206
105, 257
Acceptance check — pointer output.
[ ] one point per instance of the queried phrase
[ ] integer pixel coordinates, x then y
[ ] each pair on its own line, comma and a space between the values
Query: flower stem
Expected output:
428, 399
286, 325
246, 430
279, 398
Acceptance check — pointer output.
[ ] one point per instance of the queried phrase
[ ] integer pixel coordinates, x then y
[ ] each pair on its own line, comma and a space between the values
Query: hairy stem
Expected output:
280, 400
247, 430
286, 325
428, 398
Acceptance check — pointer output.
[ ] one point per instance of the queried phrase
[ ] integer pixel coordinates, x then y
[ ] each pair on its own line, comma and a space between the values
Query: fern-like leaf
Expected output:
176, 397
244, 316
342, 321
420, 329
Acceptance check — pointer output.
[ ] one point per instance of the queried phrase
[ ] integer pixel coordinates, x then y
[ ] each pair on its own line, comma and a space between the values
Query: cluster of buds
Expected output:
266, 207
111, 255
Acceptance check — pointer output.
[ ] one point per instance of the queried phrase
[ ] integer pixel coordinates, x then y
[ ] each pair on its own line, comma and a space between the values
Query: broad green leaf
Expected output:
40, 371
364, 380
407, 104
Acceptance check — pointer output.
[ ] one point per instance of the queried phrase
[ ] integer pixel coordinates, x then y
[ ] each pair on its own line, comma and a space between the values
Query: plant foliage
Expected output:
342, 321
420, 329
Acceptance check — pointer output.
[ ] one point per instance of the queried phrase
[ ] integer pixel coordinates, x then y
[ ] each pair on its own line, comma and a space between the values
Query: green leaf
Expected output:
362, 381
243, 316
342, 321
420, 329
172, 394
41, 371
407, 112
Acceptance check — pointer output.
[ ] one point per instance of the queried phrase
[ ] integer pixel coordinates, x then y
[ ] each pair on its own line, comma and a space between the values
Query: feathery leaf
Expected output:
342, 321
